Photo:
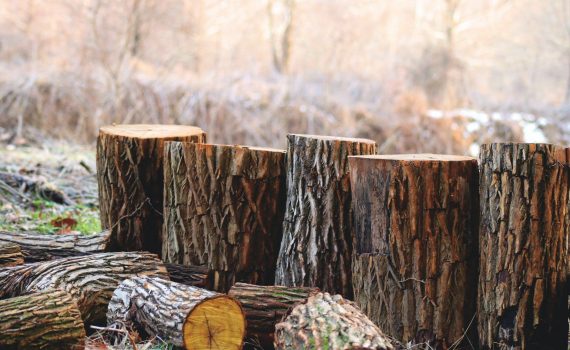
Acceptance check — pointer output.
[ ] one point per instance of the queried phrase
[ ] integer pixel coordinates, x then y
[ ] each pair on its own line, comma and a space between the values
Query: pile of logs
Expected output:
216, 246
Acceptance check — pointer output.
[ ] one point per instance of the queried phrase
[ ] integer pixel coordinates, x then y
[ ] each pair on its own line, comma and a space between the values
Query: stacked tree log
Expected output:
415, 261
10, 255
316, 249
224, 207
523, 247
130, 178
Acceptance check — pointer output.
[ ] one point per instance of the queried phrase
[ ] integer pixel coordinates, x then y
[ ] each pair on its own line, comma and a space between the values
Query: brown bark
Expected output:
224, 207
178, 314
196, 276
130, 178
42, 247
90, 279
10, 255
329, 322
47, 320
523, 247
265, 306
415, 261
37, 187
316, 249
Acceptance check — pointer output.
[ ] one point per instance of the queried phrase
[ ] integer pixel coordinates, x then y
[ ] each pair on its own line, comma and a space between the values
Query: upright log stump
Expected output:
522, 280
224, 207
130, 178
317, 240
415, 260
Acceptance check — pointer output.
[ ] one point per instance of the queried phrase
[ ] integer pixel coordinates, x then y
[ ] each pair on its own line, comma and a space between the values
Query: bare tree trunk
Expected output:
280, 33
47, 320
415, 260
316, 249
523, 247
90, 279
178, 314
265, 306
224, 207
10, 255
130, 176
329, 322
41, 247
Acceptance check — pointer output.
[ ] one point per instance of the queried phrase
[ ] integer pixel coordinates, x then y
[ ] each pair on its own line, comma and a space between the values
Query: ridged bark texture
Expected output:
41, 247
415, 269
130, 179
160, 308
90, 279
10, 255
196, 276
224, 207
316, 249
265, 306
329, 322
522, 300
48, 320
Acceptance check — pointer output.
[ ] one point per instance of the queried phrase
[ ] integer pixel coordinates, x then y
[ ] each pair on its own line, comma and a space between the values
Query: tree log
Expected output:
41, 247
224, 207
329, 322
178, 314
265, 306
196, 276
415, 261
47, 320
522, 301
90, 279
130, 177
10, 255
316, 249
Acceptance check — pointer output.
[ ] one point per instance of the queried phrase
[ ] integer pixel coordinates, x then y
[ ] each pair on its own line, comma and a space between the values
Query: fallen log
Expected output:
130, 178
522, 298
316, 249
178, 314
39, 187
196, 276
265, 306
224, 207
329, 322
90, 279
41, 247
10, 255
46, 320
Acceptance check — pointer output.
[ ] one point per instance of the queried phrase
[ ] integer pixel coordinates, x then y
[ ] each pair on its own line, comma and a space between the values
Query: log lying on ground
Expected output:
10, 255
196, 276
316, 249
329, 322
522, 297
415, 262
39, 187
178, 314
46, 320
130, 178
265, 306
42, 247
224, 207
90, 279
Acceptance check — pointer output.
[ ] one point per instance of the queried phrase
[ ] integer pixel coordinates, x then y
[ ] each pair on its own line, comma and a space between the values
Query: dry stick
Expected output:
124, 331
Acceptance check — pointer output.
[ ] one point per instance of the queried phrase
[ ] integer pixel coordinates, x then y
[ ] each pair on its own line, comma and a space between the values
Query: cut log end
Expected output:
215, 323
151, 131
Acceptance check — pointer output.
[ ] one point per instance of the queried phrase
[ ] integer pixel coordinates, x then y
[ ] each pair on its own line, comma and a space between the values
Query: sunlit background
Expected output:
416, 76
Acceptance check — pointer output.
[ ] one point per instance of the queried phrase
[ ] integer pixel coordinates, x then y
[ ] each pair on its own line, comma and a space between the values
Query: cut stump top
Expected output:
422, 157
150, 131
333, 138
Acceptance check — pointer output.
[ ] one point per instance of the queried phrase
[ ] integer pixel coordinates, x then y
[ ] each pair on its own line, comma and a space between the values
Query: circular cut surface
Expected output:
419, 157
215, 324
334, 138
150, 131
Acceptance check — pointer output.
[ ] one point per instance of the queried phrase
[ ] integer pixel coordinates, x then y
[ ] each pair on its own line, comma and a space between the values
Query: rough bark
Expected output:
178, 314
90, 279
564, 156
329, 322
415, 262
523, 240
317, 240
47, 320
10, 255
265, 306
42, 247
224, 207
130, 178
196, 276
